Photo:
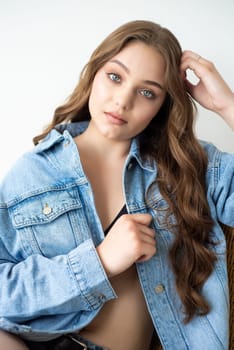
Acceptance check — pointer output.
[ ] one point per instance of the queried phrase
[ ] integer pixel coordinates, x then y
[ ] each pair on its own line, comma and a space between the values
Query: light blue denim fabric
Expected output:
51, 278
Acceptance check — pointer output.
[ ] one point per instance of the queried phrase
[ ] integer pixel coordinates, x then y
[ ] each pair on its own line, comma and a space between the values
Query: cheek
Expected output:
146, 114
96, 97
99, 89
156, 108
94, 92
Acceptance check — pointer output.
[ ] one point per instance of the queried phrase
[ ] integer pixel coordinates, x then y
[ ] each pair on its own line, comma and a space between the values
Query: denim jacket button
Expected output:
159, 288
67, 142
47, 210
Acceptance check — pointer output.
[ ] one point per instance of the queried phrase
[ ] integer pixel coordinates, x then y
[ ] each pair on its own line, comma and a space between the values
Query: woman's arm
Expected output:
211, 92
48, 294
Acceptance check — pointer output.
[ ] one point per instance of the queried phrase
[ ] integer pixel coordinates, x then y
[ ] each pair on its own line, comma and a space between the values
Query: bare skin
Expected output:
123, 323
9, 342
212, 93
128, 314
131, 239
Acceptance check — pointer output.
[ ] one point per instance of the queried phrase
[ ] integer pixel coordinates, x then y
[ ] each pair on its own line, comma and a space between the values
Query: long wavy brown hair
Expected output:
170, 140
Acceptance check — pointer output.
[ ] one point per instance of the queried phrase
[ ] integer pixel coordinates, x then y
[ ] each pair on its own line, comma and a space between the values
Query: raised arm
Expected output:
211, 92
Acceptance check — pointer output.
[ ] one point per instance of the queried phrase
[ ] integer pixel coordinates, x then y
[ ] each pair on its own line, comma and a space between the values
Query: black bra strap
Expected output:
121, 212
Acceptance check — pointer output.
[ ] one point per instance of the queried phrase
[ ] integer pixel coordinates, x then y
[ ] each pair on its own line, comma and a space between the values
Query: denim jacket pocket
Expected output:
50, 223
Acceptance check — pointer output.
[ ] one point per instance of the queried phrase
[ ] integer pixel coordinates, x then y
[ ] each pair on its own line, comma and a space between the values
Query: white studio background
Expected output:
45, 44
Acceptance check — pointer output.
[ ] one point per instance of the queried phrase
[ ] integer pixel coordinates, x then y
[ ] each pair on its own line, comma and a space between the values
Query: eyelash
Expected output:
146, 93
143, 92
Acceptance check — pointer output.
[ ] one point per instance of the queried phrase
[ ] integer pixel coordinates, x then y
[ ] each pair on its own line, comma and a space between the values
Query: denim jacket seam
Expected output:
215, 168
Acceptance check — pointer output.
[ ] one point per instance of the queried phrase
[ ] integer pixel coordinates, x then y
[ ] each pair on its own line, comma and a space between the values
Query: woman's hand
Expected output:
212, 92
130, 240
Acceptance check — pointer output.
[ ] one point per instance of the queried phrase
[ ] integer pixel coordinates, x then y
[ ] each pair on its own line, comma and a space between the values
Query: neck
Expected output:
97, 145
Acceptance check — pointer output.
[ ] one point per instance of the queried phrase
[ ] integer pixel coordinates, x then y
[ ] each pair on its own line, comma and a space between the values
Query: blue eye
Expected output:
114, 77
147, 93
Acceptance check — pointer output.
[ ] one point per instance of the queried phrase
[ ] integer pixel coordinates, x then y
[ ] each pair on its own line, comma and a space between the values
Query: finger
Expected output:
144, 258
190, 87
146, 230
144, 219
190, 54
148, 240
149, 252
193, 56
195, 62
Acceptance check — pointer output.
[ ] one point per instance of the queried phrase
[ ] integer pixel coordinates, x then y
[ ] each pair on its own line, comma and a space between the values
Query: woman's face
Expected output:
127, 92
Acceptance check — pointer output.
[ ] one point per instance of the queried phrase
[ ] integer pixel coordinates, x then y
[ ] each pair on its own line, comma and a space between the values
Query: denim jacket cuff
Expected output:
90, 275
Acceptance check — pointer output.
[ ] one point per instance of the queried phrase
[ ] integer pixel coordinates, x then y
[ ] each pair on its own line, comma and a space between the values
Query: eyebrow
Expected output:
150, 82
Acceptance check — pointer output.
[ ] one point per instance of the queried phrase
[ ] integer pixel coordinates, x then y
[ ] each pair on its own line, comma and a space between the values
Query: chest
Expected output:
105, 180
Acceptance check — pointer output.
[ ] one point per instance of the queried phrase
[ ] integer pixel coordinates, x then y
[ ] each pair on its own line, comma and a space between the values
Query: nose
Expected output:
123, 98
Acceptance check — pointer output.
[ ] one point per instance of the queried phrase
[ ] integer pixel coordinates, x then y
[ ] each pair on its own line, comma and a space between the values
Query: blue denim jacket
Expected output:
51, 278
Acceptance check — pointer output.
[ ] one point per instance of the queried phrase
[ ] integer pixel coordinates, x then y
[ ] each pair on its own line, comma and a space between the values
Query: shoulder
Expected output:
52, 164
36, 170
210, 149
23, 177
215, 156
220, 168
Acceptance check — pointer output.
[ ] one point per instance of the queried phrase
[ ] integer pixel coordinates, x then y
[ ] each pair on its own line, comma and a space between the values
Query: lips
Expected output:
115, 118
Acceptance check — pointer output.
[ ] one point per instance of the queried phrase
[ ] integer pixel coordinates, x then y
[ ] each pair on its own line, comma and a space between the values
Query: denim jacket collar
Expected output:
68, 131
49, 230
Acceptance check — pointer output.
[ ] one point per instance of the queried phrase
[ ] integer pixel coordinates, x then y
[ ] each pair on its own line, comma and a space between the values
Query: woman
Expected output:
110, 228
